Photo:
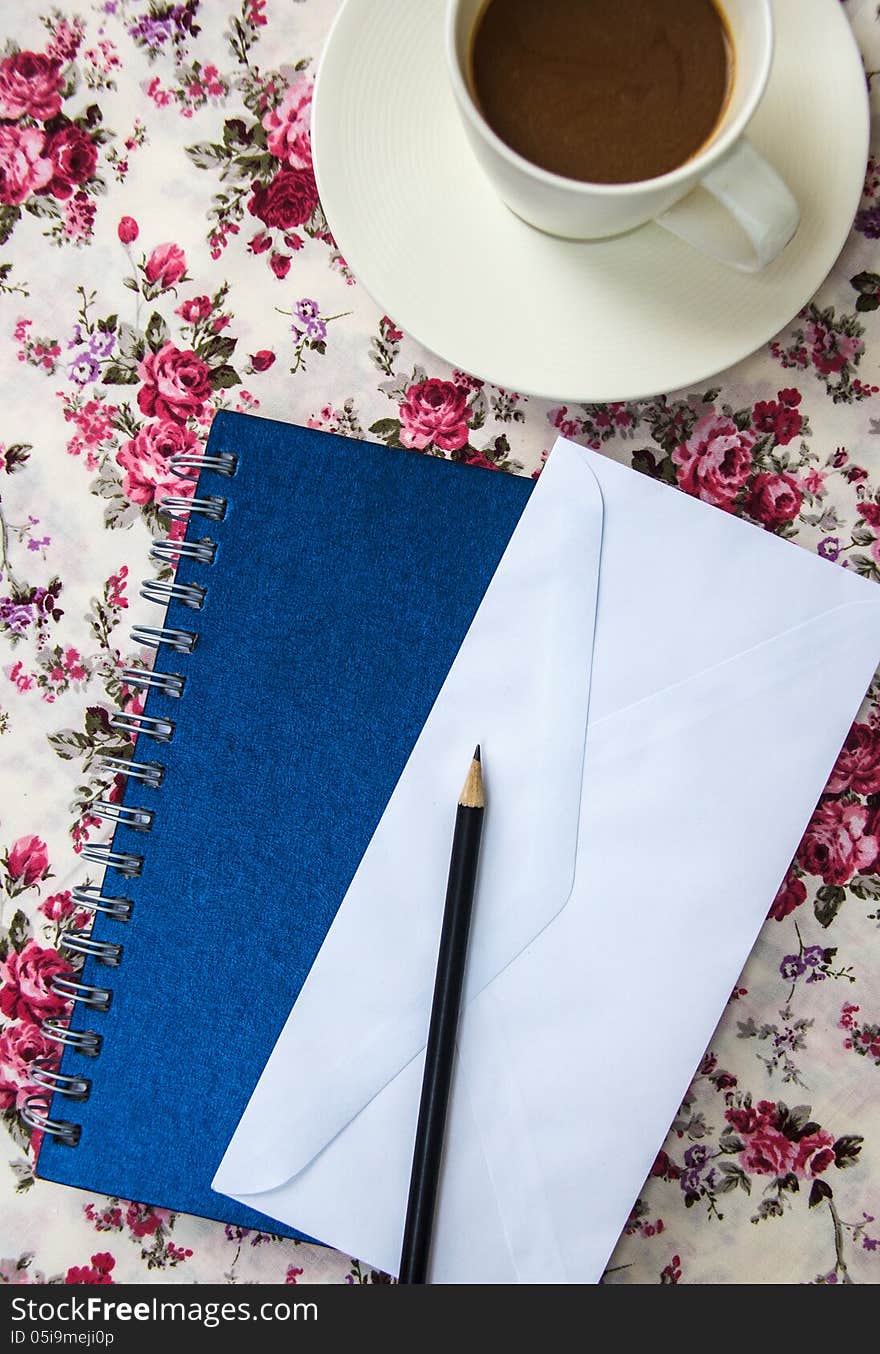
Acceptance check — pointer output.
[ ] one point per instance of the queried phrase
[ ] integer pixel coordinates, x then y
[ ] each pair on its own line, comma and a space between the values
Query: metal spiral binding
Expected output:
139, 820
126, 862
97, 998
152, 637
91, 898
191, 594
87, 1042
105, 951
36, 1111
152, 726
223, 463
169, 552
61, 1130
151, 773
75, 1088
169, 683
211, 506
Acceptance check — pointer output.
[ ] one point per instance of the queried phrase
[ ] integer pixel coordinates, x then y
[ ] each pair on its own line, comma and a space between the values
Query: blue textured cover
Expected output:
345, 579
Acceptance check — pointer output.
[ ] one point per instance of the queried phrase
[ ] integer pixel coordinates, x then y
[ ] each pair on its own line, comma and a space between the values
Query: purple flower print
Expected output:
813, 955
829, 548
868, 222
792, 966
14, 616
690, 1180
83, 370
697, 1155
312, 326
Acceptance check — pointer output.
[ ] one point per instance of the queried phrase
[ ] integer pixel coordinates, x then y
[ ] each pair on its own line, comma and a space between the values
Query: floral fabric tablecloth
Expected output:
164, 255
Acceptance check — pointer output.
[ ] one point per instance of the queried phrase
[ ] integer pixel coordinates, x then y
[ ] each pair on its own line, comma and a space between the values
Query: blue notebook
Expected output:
344, 578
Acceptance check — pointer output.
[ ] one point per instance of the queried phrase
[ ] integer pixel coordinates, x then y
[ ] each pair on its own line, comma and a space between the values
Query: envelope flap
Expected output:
520, 687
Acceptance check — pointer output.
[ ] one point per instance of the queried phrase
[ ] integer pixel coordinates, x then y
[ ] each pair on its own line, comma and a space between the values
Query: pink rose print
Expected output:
27, 862
128, 229
714, 462
24, 166
74, 156
815, 1153
98, 1271
166, 265
30, 86
288, 125
198, 308
176, 384
837, 845
21, 1044
144, 460
25, 979
58, 905
768, 1152
774, 499
434, 413
288, 200
790, 895
858, 766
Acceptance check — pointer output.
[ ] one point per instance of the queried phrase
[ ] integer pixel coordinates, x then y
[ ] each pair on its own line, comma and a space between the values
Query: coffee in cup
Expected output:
604, 91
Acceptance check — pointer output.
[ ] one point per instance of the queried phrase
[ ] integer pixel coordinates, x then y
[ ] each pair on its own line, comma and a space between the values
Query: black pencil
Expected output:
440, 1051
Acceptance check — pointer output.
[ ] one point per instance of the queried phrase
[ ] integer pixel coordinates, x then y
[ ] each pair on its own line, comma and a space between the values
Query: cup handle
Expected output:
742, 213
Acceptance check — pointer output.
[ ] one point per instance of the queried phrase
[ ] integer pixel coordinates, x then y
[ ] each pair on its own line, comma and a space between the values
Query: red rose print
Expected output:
74, 156
481, 460
790, 895
870, 512
21, 1044
260, 242
815, 1153
790, 396
145, 462
30, 86
128, 229
744, 1120
837, 844
779, 419
434, 413
289, 137
166, 265
26, 977
24, 167
280, 264
715, 461
262, 360
774, 499
176, 384
288, 200
768, 1152
858, 766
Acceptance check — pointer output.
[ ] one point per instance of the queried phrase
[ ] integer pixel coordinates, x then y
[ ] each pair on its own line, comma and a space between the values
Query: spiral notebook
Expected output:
310, 624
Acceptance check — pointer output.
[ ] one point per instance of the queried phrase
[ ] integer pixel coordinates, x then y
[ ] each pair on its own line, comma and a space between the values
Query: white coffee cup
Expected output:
744, 214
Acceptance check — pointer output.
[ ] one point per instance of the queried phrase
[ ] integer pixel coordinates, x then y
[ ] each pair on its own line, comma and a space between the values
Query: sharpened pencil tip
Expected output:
472, 795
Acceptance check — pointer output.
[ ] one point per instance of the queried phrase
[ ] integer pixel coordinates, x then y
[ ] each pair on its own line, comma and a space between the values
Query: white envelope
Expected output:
660, 691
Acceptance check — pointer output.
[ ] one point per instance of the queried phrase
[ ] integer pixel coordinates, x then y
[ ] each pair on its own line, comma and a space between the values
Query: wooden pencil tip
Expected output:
472, 795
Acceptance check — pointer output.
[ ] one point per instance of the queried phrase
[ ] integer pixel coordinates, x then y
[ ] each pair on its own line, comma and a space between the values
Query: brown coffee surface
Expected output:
606, 91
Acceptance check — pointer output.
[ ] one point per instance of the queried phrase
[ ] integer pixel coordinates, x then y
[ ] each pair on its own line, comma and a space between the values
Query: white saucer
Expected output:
615, 319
